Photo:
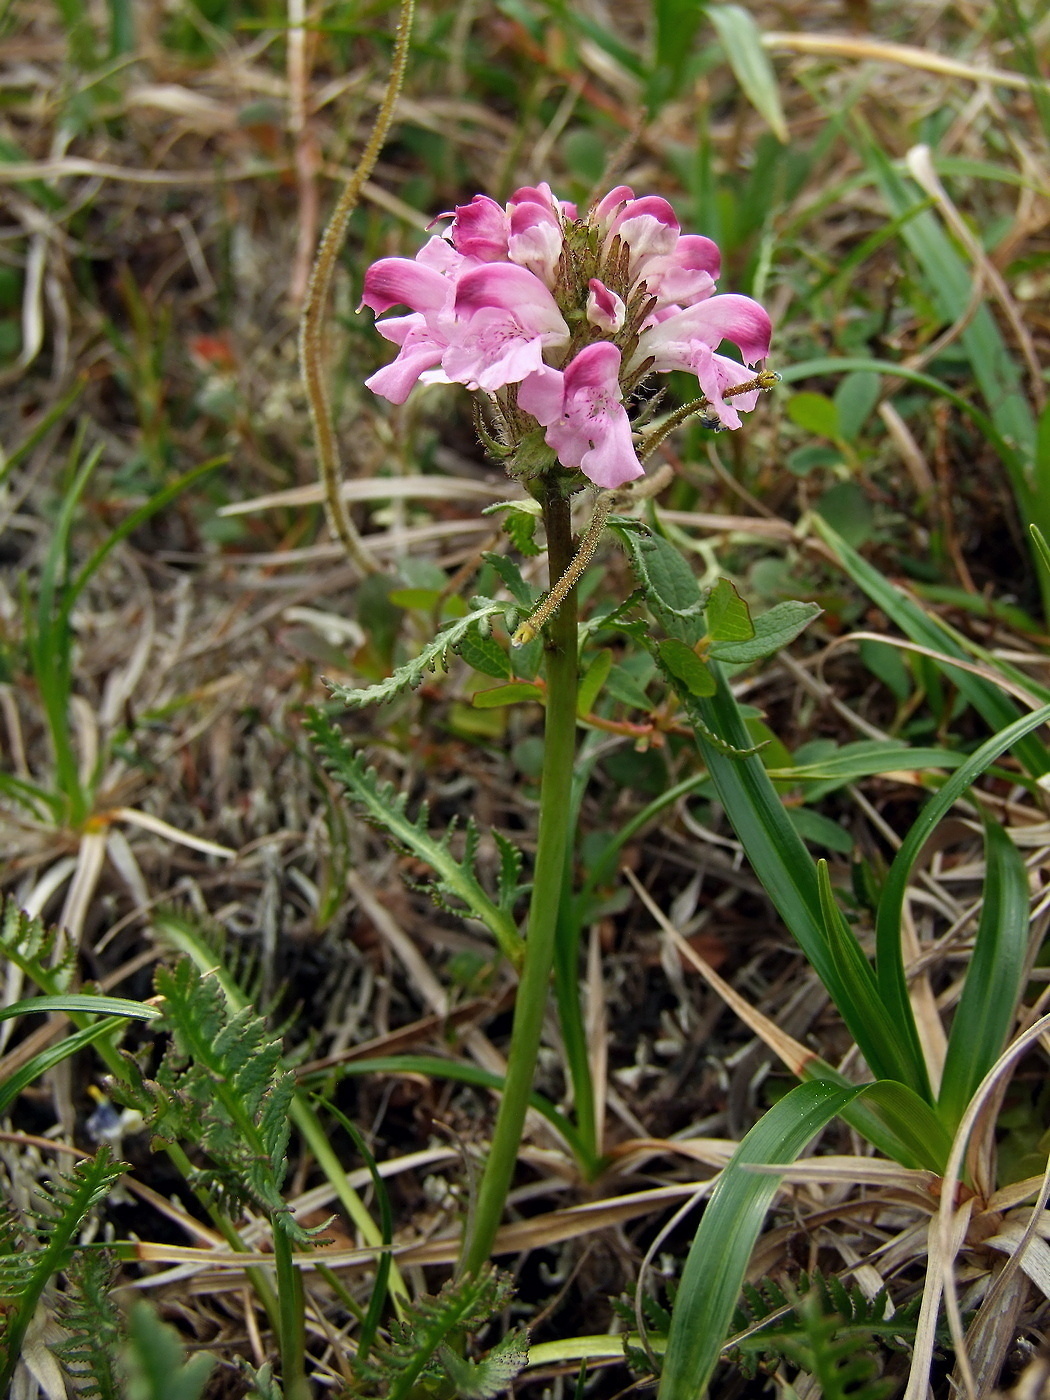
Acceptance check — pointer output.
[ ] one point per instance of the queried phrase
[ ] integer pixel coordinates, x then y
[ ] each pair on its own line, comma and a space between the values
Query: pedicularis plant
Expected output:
559, 321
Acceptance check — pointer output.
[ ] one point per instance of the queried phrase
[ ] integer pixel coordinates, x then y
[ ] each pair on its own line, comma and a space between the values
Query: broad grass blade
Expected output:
994, 978
889, 962
789, 875
721, 1249
742, 41
991, 704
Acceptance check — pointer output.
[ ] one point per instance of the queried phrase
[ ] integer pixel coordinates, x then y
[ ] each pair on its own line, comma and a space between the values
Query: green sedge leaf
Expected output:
994, 978
911, 1064
81, 1001
889, 961
789, 875
997, 710
721, 1249
728, 616
741, 39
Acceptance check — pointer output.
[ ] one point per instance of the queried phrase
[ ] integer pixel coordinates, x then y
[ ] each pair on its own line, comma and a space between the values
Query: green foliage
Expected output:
27, 1264
457, 881
40, 953
469, 633
829, 1330
221, 1086
421, 1354
94, 1327
153, 1361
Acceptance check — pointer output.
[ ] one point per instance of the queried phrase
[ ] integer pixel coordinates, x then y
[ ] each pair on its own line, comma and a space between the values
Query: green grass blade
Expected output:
721, 1249
464, 1074
156, 502
991, 704
889, 962
741, 39
994, 978
789, 875
841, 941
53, 1055
949, 281
81, 1001
853, 364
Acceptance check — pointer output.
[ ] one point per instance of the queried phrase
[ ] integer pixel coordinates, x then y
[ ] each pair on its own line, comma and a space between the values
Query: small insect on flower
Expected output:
559, 319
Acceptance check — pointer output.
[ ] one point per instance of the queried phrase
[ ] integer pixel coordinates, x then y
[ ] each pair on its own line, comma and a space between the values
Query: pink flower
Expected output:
480, 228
582, 410
505, 318
604, 308
687, 339
528, 294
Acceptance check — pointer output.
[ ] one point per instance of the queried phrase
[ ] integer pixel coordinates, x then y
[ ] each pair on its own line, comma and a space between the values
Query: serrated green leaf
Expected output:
595, 676
816, 413
513, 693
741, 39
484, 654
686, 667
386, 808
410, 675
671, 591
509, 572
493, 1374
520, 526
773, 630
728, 616
154, 1360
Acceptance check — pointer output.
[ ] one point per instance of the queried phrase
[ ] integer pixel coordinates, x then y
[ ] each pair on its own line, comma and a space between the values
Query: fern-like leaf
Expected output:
414, 1350
153, 1361
775, 1325
93, 1324
493, 1374
220, 1085
39, 952
69, 1203
384, 807
435, 653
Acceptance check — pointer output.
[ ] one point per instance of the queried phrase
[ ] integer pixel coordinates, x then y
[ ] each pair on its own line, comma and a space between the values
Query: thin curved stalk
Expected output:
311, 321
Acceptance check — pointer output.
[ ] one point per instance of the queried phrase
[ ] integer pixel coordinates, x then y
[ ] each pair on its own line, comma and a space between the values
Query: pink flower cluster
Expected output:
560, 319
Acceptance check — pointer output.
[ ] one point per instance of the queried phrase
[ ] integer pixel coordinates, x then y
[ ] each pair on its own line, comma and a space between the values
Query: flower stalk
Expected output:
552, 842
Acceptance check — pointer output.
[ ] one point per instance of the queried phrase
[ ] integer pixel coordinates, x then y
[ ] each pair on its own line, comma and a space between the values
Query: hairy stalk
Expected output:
311, 321
553, 839
765, 379
607, 502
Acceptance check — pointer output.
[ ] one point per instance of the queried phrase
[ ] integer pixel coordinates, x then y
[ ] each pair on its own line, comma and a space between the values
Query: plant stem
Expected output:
553, 838
292, 1319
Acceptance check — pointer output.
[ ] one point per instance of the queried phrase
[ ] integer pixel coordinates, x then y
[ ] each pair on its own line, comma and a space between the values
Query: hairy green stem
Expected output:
311, 321
553, 839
